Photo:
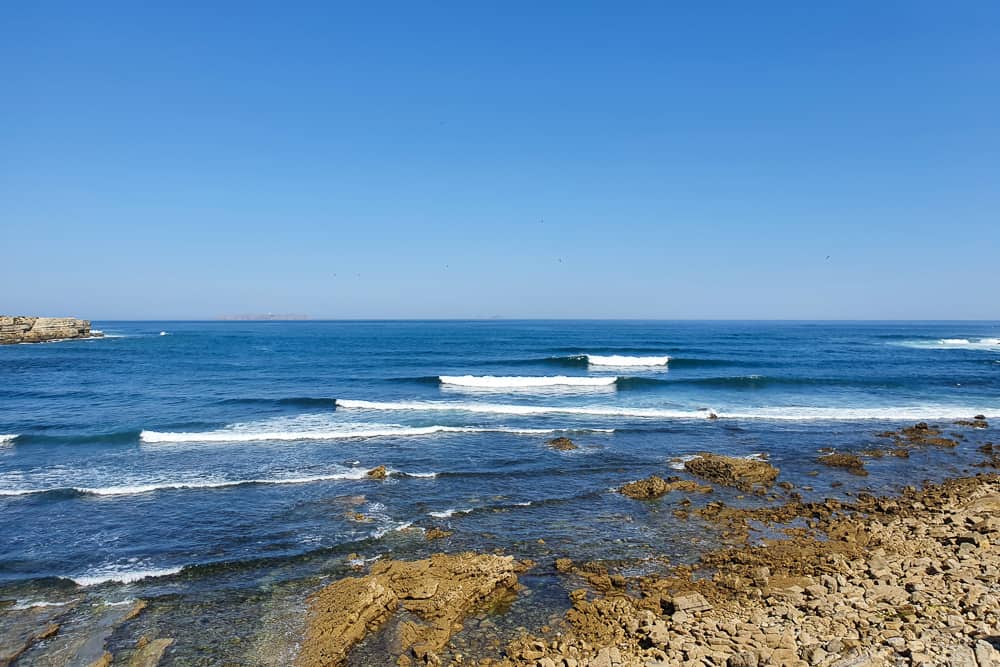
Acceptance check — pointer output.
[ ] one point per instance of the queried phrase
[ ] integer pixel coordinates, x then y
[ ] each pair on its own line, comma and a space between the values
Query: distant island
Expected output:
24, 329
265, 317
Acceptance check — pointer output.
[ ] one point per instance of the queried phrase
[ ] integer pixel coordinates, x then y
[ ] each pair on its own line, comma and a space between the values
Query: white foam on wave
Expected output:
904, 413
512, 409
449, 513
522, 382
104, 575
776, 413
7, 437
625, 361
28, 604
989, 344
136, 489
346, 432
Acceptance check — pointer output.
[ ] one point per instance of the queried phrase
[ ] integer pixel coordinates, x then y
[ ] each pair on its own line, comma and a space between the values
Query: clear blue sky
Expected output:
650, 160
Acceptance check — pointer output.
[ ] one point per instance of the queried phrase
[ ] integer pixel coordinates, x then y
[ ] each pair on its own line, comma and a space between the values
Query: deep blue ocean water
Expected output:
221, 455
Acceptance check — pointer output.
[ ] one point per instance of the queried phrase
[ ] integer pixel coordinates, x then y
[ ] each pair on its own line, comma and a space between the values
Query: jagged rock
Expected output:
378, 473
561, 444
744, 474
40, 329
436, 593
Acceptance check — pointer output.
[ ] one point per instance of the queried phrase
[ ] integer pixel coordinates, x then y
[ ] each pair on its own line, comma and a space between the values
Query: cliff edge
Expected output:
41, 329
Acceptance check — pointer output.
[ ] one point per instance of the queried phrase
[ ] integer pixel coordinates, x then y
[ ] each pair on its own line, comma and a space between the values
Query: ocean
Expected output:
218, 469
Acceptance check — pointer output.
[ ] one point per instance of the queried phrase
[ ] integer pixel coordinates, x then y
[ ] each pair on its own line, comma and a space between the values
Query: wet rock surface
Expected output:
419, 604
561, 444
907, 580
744, 474
655, 486
849, 462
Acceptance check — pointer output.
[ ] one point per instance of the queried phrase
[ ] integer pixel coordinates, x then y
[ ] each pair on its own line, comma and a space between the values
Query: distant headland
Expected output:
264, 316
22, 329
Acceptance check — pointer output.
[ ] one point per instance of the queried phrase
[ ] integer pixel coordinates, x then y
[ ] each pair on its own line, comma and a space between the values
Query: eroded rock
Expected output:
436, 593
744, 474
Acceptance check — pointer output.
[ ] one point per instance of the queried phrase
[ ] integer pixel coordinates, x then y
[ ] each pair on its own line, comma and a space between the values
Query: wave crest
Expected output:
622, 361
525, 382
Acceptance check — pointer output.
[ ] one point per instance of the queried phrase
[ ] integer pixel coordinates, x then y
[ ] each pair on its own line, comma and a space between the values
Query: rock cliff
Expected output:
41, 329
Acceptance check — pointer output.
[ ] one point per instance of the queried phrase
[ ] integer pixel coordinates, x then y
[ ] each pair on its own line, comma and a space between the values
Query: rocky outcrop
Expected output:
425, 600
744, 474
41, 329
655, 486
849, 462
561, 444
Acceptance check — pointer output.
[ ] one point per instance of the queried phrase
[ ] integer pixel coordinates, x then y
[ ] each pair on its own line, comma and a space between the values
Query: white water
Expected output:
510, 409
346, 432
622, 361
518, 382
149, 487
764, 413
7, 437
448, 513
124, 576
989, 344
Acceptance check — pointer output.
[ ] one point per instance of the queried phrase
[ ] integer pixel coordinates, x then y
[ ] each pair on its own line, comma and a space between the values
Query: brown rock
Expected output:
436, 533
744, 474
378, 473
150, 653
562, 444
850, 462
41, 329
436, 593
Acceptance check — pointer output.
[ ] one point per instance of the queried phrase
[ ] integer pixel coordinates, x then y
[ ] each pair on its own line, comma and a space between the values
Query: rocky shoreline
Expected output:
906, 580
912, 579
860, 580
20, 329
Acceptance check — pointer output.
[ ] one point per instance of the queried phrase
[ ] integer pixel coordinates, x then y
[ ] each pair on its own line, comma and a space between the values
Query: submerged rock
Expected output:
149, 653
848, 461
561, 444
436, 533
744, 474
435, 593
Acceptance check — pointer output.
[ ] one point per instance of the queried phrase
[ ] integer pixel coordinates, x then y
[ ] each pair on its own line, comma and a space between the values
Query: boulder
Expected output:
561, 444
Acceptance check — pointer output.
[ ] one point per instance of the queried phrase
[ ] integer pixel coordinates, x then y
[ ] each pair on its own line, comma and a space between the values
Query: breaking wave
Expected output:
7, 437
511, 409
764, 413
122, 576
135, 489
521, 382
990, 344
621, 361
344, 433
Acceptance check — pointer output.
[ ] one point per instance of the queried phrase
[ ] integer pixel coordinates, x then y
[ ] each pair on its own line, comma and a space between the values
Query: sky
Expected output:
760, 160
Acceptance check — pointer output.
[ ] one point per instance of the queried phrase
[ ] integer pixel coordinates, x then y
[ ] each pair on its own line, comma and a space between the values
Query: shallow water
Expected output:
229, 458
